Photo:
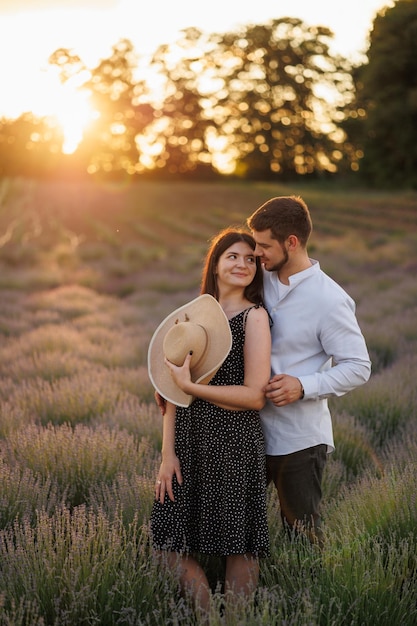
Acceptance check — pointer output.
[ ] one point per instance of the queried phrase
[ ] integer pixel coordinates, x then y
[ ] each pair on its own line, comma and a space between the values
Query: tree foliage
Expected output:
181, 122
280, 122
30, 146
261, 102
255, 95
109, 144
386, 104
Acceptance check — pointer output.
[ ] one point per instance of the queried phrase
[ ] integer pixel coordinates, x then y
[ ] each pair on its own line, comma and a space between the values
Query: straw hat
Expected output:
200, 326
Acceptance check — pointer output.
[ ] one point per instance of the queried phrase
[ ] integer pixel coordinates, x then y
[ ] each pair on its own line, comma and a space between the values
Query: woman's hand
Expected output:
169, 468
181, 375
161, 402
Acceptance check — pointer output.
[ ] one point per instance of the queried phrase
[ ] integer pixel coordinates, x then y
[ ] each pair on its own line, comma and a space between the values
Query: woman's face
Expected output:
236, 266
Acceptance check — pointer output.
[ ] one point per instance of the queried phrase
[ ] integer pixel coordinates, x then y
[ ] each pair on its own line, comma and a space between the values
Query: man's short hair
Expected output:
283, 216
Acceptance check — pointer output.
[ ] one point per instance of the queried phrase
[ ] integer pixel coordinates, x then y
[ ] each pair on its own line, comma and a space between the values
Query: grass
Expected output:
87, 272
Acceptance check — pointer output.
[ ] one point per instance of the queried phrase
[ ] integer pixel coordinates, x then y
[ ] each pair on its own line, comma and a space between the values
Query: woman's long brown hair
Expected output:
221, 242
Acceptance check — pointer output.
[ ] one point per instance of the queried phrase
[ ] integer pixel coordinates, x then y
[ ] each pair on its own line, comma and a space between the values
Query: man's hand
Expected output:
283, 389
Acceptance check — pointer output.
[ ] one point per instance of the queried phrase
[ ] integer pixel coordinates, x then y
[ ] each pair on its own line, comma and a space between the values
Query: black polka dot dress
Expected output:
220, 508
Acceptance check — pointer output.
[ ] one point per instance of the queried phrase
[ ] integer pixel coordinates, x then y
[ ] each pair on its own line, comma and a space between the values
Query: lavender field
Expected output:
87, 272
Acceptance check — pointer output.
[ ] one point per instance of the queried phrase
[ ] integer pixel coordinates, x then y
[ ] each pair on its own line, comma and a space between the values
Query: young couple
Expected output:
242, 376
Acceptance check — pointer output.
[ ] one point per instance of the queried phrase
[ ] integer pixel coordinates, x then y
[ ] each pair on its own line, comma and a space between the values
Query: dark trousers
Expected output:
297, 478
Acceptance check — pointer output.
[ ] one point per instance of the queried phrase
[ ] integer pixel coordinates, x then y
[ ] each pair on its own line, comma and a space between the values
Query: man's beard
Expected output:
278, 267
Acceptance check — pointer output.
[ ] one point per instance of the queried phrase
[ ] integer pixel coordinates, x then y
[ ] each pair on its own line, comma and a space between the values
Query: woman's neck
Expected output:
233, 302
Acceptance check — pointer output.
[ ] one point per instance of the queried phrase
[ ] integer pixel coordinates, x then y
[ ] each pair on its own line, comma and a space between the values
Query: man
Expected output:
318, 351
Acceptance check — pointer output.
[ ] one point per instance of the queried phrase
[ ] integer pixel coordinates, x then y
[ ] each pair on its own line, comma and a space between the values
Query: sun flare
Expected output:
46, 97
31, 84
69, 106
73, 113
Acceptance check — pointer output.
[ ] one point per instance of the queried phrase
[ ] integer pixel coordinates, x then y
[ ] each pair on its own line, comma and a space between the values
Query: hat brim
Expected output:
207, 312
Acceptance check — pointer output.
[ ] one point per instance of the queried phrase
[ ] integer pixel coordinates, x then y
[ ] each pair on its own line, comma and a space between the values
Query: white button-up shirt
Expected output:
315, 337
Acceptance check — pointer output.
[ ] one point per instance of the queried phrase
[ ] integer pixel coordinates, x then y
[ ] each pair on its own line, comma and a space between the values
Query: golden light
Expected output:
224, 152
31, 84
73, 113
47, 97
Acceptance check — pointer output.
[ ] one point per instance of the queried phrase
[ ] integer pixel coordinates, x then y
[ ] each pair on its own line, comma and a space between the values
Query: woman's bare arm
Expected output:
257, 354
170, 465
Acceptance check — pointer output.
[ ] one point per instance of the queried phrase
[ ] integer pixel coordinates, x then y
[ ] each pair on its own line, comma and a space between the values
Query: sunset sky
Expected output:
30, 30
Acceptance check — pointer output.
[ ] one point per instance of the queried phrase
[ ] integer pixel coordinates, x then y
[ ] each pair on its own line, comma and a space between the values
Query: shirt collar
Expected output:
309, 271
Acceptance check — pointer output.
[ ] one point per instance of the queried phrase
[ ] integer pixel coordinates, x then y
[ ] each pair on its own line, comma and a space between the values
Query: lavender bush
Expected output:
84, 281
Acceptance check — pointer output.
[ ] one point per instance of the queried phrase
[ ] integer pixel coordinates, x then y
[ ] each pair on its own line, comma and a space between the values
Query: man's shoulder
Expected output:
325, 287
331, 295
331, 284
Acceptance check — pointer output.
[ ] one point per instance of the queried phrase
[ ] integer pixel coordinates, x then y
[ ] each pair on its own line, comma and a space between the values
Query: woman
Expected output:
210, 495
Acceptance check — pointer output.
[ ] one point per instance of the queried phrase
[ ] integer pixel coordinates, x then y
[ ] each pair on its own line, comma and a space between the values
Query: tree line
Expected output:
267, 101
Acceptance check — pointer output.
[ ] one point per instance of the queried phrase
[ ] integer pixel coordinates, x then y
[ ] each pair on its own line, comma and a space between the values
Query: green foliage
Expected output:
80, 433
355, 448
387, 85
84, 568
76, 458
261, 102
23, 492
387, 403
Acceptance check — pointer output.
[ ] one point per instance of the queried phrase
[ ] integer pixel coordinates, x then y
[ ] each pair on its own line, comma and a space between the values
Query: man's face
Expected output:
272, 253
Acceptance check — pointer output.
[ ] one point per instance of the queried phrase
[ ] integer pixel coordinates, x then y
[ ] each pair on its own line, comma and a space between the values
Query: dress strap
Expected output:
256, 306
